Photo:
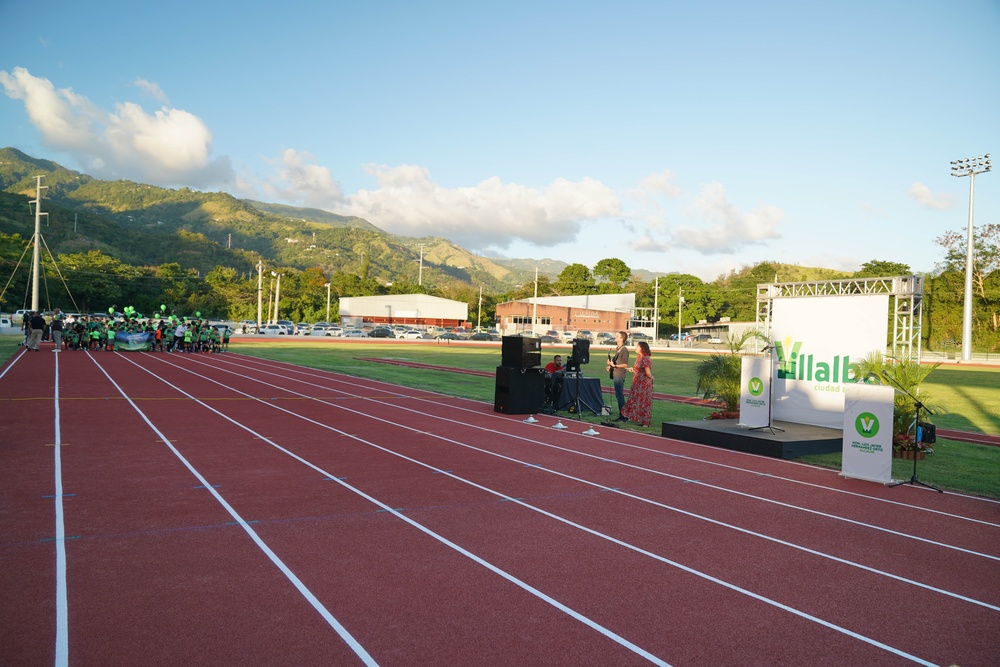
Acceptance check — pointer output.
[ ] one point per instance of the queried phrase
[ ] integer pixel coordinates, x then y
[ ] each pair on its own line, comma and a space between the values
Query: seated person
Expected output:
553, 382
554, 365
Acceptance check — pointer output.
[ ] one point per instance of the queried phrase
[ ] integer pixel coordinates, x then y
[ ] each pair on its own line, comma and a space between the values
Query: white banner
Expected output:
755, 390
867, 449
816, 339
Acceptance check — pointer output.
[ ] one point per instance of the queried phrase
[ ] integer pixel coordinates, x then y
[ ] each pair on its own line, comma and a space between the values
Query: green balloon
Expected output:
162, 307
198, 314
111, 310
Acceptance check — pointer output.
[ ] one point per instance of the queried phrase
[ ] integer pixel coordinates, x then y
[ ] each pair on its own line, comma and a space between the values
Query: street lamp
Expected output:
970, 166
327, 286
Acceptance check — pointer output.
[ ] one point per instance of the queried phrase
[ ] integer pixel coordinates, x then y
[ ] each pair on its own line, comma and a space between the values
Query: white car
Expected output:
334, 331
413, 334
354, 333
715, 340
274, 330
302, 329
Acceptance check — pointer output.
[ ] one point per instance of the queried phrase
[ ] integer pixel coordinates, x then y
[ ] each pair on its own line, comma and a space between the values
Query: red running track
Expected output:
159, 509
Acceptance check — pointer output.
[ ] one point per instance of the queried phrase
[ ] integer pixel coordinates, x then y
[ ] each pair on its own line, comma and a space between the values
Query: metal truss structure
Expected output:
907, 294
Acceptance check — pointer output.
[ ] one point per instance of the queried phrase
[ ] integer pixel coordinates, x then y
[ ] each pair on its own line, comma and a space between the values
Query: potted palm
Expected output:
905, 375
719, 375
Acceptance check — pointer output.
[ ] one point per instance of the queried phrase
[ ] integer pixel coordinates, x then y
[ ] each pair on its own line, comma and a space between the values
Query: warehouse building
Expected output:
408, 309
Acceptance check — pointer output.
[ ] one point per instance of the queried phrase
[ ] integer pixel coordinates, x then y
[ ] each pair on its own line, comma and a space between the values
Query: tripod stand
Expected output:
918, 434
770, 394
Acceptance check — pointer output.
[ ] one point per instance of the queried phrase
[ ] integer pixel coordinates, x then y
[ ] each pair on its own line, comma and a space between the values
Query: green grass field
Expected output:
969, 396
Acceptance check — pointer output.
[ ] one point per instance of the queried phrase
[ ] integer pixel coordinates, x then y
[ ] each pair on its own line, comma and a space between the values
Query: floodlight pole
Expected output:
969, 167
680, 304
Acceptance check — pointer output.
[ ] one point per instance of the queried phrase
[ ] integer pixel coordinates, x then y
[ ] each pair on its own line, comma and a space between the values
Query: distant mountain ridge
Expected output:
141, 224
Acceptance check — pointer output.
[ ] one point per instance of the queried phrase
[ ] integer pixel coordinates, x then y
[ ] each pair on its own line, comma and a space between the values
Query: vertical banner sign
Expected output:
755, 392
867, 449
816, 342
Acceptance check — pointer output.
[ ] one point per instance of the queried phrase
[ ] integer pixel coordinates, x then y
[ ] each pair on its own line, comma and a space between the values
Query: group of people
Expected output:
100, 333
638, 406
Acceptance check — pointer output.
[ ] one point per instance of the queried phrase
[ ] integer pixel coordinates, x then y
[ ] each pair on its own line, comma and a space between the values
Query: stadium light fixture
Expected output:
969, 167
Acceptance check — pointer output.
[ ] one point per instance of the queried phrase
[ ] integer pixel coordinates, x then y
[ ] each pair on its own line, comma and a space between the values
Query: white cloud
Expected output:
302, 183
488, 215
154, 90
168, 147
927, 199
728, 229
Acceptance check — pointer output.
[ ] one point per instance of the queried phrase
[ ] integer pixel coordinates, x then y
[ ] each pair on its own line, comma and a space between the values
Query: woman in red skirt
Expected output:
639, 407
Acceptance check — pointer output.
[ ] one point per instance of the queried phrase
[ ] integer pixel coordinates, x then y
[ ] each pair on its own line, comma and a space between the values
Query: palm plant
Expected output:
905, 375
719, 375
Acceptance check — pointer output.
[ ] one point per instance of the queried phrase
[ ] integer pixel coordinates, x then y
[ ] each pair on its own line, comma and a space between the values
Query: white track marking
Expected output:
629, 465
62, 593
301, 587
590, 531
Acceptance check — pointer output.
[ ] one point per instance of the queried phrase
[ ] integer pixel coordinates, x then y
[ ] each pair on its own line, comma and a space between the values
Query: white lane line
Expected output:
301, 587
827, 624
651, 471
642, 499
331, 376
427, 531
62, 594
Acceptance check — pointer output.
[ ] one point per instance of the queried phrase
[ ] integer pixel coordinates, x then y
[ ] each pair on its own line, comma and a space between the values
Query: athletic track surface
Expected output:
174, 509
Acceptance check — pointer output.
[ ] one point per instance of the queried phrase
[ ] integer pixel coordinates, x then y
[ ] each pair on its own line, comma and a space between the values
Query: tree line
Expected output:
93, 281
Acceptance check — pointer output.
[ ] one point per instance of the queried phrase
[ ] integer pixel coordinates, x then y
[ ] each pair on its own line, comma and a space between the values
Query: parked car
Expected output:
318, 331
413, 334
302, 329
715, 340
381, 332
605, 338
334, 331
274, 330
448, 335
584, 334
550, 340
480, 335
353, 333
636, 336
702, 338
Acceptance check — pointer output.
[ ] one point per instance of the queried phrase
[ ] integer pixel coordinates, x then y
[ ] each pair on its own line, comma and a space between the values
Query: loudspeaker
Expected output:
581, 350
519, 391
520, 351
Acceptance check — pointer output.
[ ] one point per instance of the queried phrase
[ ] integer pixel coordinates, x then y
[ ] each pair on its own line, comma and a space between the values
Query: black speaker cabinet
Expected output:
521, 351
519, 391
581, 351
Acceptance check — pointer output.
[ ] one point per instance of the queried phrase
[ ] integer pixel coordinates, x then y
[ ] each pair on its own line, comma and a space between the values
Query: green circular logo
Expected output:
755, 386
866, 425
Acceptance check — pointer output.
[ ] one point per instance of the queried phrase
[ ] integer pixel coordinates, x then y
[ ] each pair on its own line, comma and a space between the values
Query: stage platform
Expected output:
794, 441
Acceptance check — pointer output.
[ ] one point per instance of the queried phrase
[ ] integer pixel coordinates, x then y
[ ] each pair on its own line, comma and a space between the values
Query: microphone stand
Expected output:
770, 394
917, 433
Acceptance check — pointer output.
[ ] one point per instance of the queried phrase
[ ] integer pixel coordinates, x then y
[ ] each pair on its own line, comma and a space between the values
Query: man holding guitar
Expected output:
617, 369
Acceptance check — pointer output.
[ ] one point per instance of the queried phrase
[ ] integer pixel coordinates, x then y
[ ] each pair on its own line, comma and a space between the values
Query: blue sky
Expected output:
695, 137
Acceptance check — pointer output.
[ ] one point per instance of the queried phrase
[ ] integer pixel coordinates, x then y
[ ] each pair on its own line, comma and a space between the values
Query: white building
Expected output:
418, 309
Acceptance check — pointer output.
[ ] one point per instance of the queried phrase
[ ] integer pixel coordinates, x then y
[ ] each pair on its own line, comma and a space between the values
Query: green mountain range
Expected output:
143, 224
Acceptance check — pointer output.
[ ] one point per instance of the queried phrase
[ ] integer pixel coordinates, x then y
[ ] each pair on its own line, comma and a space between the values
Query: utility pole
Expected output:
656, 309
534, 312
327, 286
479, 317
277, 295
260, 292
36, 255
420, 274
680, 305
